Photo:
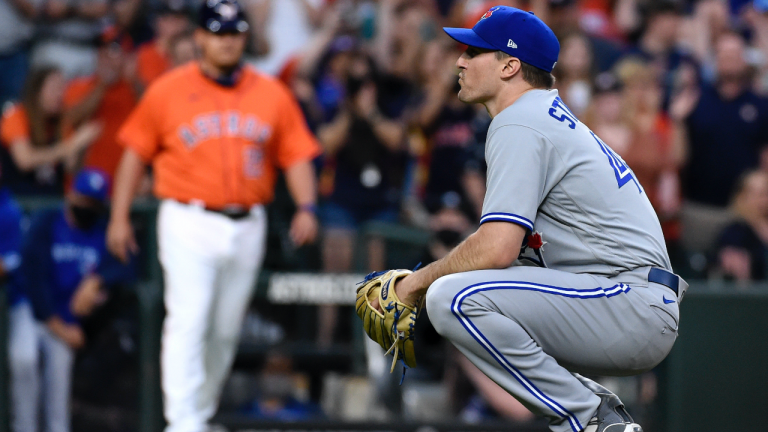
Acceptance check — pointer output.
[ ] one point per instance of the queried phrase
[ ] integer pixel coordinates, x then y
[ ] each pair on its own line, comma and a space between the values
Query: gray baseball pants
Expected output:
529, 328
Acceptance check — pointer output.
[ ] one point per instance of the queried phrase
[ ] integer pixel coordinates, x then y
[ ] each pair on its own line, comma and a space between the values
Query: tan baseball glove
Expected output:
394, 328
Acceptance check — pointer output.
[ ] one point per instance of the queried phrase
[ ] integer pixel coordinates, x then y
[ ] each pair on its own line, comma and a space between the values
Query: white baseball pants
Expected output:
30, 344
210, 263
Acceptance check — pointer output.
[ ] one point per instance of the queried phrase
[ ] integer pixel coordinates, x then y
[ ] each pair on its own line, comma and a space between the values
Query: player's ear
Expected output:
511, 68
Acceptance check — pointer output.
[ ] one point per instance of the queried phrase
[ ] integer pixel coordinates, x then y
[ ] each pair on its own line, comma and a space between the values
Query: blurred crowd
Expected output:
676, 87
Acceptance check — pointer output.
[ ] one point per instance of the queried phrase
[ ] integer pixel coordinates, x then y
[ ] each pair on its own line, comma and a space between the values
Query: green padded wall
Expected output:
717, 373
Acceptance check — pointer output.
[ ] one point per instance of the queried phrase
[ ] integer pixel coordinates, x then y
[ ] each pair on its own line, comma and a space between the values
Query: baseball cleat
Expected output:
611, 416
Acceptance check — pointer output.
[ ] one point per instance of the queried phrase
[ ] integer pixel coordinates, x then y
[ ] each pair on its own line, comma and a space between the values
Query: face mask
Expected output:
85, 217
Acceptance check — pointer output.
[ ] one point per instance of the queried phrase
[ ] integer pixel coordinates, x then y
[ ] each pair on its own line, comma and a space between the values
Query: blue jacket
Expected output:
56, 257
10, 245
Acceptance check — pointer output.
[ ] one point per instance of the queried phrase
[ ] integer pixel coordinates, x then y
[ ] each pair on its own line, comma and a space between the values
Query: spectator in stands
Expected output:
727, 125
710, 20
476, 397
455, 180
756, 17
274, 44
574, 74
400, 42
156, 57
283, 392
16, 31
654, 146
743, 245
566, 17
107, 97
67, 31
658, 45
605, 114
367, 145
21, 324
31, 132
183, 49
67, 271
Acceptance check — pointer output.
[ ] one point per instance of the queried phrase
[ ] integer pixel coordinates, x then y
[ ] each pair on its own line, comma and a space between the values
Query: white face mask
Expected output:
578, 96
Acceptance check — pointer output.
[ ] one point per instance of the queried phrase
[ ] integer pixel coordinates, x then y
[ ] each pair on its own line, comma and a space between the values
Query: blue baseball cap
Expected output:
222, 16
518, 33
92, 183
760, 5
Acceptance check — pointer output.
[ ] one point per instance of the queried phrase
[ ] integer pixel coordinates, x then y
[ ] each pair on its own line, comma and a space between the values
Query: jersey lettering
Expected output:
620, 168
213, 125
233, 123
253, 158
187, 136
86, 257
214, 120
201, 126
567, 115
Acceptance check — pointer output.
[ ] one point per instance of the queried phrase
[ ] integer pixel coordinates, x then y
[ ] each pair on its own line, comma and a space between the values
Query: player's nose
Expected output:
461, 62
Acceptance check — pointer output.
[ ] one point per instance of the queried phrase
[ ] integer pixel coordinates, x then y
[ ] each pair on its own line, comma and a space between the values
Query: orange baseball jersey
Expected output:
117, 104
215, 144
151, 63
14, 125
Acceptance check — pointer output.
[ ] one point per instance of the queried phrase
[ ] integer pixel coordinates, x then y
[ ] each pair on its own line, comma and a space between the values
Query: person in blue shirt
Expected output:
66, 270
726, 124
21, 331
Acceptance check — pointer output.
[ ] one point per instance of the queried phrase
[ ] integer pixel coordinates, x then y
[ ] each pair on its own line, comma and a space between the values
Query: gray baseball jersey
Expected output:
593, 309
549, 173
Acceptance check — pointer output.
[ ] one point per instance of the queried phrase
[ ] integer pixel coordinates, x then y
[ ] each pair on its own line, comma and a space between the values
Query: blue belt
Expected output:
663, 277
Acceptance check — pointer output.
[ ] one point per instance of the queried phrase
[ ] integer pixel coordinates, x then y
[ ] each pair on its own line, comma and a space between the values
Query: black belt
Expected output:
234, 213
663, 277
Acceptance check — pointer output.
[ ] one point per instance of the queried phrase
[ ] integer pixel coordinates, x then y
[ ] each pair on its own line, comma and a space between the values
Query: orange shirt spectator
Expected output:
31, 133
155, 58
151, 62
106, 97
116, 104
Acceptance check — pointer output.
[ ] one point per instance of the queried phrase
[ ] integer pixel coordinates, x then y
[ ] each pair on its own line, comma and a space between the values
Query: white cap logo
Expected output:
227, 11
511, 44
96, 181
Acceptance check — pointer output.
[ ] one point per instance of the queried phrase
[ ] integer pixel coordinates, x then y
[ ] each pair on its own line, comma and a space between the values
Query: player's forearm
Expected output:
127, 178
494, 245
300, 179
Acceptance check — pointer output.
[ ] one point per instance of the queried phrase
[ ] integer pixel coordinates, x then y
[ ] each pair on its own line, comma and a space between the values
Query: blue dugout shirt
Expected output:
10, 245
56, 257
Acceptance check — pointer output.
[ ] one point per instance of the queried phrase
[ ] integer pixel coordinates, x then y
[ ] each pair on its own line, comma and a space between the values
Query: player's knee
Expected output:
439, 299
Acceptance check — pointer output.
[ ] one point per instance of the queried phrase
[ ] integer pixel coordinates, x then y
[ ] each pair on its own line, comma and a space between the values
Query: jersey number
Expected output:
561, 113
620, 168
253, 158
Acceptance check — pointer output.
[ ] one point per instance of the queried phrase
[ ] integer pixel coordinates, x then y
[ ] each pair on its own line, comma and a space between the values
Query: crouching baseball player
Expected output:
568, 272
